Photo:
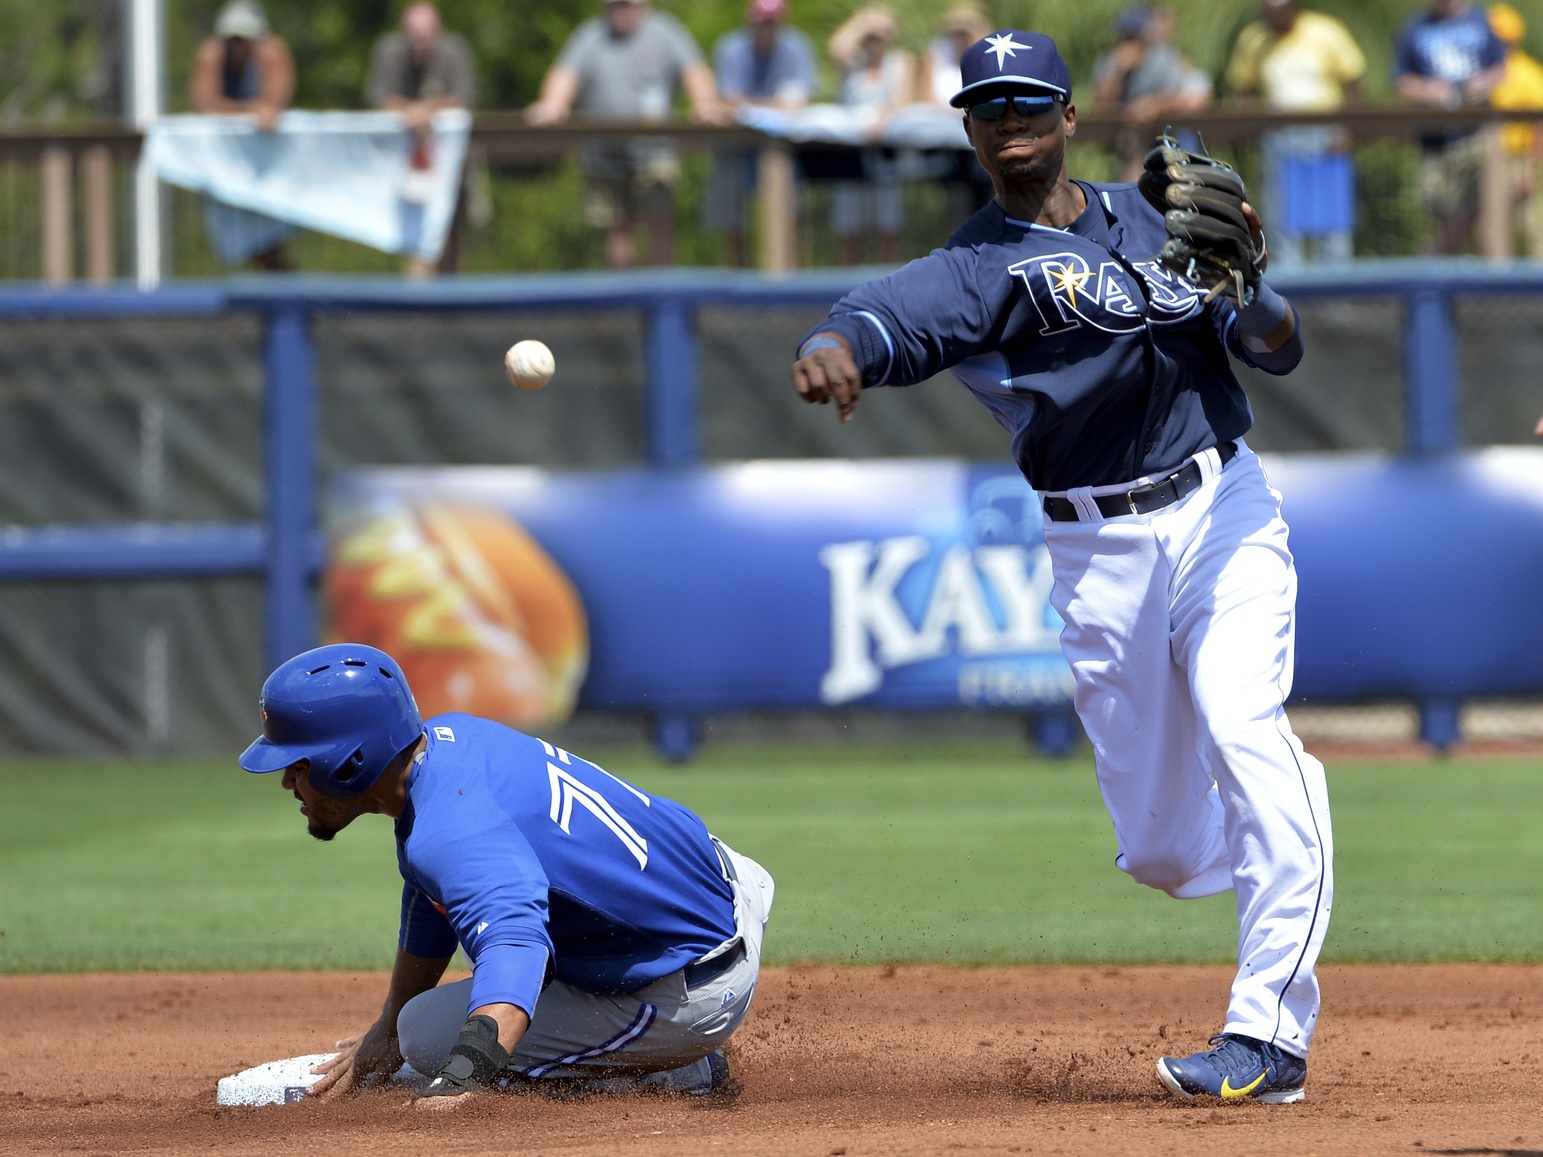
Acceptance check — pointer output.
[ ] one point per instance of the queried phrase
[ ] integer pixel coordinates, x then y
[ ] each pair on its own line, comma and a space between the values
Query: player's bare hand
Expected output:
337, 1071
829, 373
361, 1061
1256, 231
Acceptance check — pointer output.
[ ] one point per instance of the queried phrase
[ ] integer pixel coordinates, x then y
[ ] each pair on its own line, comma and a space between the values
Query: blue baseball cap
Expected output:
1013, 58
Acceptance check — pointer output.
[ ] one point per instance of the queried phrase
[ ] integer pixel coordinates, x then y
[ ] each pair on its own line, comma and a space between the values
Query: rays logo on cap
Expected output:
1008, 59
1004, 46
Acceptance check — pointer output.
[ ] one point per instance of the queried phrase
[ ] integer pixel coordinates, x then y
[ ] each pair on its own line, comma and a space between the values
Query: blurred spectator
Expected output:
763, 63
417, 72
1302, 62
1448, 56
244, 70
966, 185
421, 69
1148, 79
961, 26
877, 78
1520, 88
628, 65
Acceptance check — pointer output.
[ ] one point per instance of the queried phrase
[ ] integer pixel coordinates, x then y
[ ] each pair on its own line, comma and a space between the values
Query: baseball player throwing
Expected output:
1097, 330
610, 935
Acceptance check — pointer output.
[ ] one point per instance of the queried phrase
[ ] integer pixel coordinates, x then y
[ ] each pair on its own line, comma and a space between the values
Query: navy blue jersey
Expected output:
1455, 48
1101, 364
528, 856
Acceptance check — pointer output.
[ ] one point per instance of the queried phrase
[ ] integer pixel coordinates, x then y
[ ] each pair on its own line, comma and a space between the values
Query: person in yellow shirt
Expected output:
1520, 88
1297, 61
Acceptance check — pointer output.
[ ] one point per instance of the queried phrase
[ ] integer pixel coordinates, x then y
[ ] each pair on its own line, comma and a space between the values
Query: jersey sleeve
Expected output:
918, 321
425, 931
493, 893
1224, 316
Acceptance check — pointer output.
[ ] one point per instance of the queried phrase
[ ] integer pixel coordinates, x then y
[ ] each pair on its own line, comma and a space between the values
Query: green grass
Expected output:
968, 855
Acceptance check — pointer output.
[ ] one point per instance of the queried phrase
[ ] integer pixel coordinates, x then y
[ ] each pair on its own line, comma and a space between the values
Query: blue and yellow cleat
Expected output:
1237, 1067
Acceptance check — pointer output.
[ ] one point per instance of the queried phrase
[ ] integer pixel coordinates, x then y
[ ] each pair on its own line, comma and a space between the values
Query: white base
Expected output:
275, 1083
285, 1082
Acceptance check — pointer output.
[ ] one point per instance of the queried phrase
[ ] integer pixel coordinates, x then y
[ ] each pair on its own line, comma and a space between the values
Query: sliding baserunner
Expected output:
610, 936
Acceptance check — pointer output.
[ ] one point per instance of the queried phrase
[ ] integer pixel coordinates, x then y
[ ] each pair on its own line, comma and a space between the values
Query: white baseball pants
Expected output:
575, 1033
1179, 629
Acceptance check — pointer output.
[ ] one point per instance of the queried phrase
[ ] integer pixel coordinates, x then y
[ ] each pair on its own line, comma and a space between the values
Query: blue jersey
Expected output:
534, 860
1101, 364
1455, 48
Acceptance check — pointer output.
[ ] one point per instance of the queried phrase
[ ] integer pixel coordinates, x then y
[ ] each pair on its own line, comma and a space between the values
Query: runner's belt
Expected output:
1143, 499
702, 971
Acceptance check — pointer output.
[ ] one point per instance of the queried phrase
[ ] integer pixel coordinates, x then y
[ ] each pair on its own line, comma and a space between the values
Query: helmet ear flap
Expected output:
349, 768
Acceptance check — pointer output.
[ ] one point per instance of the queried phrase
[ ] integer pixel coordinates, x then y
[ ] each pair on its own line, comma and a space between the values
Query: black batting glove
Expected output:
473, 1063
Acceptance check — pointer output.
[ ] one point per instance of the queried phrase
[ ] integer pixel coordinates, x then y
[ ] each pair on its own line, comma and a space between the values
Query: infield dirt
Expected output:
1409, 1059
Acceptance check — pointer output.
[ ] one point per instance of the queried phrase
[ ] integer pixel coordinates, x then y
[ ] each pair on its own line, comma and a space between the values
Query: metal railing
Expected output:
68, 186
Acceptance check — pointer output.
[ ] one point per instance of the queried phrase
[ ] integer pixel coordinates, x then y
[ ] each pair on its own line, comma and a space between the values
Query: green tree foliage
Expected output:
60, 58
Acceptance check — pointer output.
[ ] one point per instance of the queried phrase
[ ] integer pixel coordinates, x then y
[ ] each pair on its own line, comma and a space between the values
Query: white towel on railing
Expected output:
917, 126
349, 174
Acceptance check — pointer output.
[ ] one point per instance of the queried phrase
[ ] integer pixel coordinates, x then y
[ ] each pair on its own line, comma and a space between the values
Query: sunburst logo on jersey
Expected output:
1069, 280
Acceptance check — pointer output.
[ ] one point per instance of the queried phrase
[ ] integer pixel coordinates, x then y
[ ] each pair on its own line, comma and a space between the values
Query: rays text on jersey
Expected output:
1070, 292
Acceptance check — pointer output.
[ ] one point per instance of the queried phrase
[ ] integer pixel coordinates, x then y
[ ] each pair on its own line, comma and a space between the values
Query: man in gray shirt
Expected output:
417, 72
1148, 80
628, 65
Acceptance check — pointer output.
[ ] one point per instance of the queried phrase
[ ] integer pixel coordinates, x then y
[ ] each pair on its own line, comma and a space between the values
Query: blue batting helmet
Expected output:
346, 708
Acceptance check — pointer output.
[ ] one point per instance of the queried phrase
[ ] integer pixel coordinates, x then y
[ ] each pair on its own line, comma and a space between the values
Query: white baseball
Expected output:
529, 364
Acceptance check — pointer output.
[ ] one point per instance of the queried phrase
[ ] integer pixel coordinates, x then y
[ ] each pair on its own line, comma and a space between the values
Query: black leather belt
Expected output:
703, 971
700, 972
726, 864
1144, 499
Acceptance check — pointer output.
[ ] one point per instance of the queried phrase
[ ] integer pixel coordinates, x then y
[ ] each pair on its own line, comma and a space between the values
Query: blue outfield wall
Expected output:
1417, 578
1418, 573
923, 583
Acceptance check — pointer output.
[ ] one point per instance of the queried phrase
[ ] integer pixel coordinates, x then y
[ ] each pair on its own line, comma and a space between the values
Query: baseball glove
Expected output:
1209, 243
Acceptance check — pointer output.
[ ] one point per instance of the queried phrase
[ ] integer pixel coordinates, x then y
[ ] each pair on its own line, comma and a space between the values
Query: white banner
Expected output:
357, 175
917, 126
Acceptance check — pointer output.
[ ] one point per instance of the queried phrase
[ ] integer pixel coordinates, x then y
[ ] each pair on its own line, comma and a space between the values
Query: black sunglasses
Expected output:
1025, 106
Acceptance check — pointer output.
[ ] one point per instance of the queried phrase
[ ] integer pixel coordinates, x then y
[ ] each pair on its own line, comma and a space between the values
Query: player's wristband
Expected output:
820, 341
1263, 316
475, 1060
